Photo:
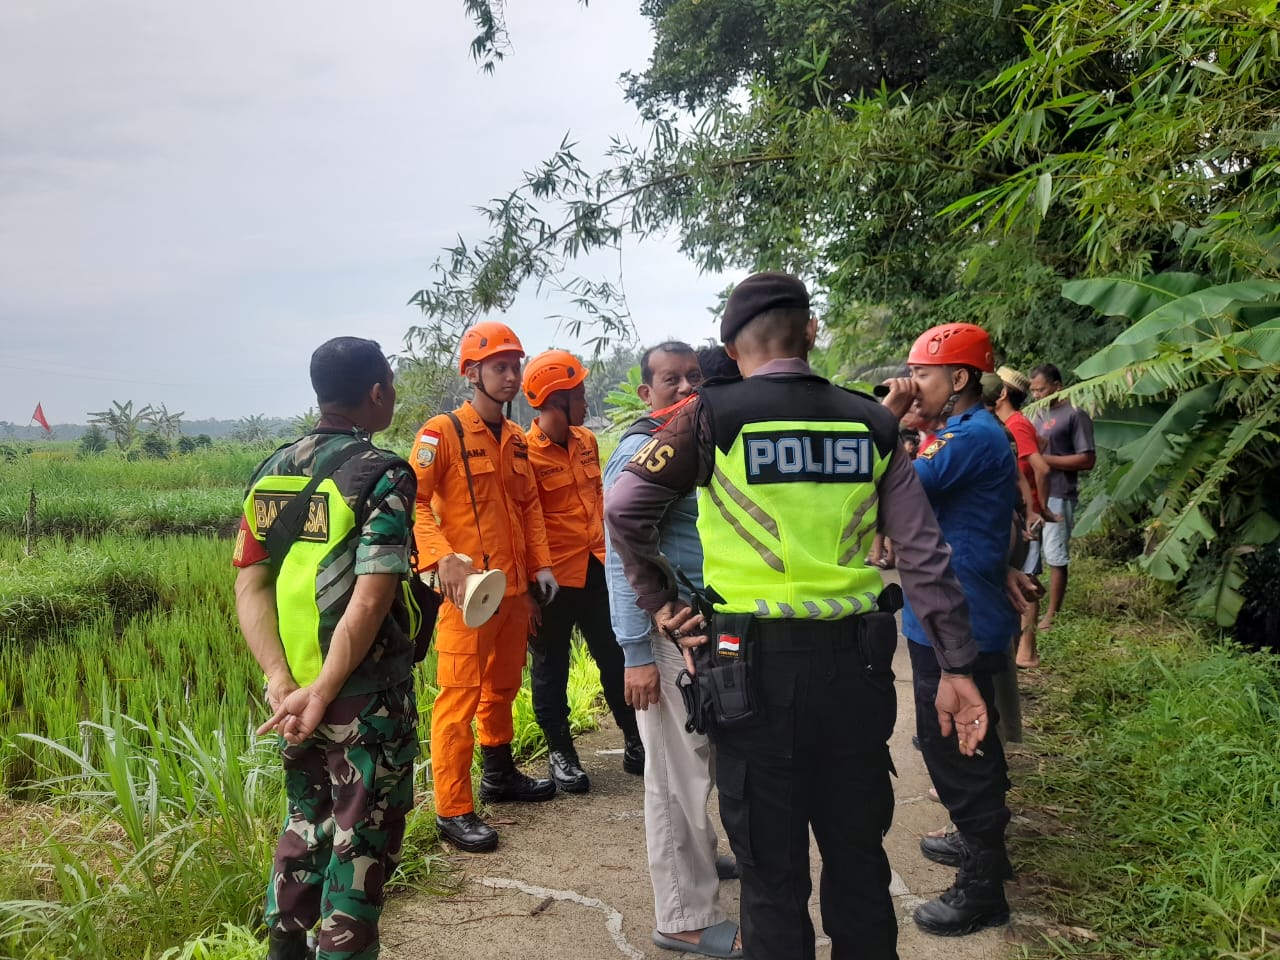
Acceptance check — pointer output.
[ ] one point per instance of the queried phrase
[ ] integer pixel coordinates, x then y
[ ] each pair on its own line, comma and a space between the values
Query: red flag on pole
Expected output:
38, 417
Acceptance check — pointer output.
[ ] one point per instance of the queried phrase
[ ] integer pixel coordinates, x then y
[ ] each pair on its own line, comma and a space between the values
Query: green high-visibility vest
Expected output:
789, 512
315, 580
329, 524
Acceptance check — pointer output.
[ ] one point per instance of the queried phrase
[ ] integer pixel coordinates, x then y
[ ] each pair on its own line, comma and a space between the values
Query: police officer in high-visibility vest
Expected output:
796, 476
565, 458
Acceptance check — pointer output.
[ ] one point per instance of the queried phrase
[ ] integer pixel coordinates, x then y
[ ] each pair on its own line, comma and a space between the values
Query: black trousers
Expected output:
587, 608
817, 756
971, 788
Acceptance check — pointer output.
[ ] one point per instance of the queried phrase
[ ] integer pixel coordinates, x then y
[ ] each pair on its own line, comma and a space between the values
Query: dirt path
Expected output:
569, 878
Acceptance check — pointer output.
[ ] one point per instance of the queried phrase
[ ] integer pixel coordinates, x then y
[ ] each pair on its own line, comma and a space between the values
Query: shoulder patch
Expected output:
928, 452
653, 456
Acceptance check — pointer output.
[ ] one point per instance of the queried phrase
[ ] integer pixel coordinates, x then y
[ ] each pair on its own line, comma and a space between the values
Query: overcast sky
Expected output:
193, 196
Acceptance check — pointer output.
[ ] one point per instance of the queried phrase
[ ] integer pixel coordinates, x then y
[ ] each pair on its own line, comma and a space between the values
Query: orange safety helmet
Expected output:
550, 371
484, 340
961, 344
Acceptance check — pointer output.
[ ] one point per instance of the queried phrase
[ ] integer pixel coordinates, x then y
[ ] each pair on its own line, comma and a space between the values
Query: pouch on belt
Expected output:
730, 677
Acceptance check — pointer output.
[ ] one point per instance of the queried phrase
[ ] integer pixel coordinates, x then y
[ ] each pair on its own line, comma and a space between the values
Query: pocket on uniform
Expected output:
457, 669
556, 492
885, 804
885, 696
393, 778
553, 479
735, 814
481, 482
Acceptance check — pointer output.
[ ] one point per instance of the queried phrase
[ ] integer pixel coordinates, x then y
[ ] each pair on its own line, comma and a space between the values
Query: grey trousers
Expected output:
678, 830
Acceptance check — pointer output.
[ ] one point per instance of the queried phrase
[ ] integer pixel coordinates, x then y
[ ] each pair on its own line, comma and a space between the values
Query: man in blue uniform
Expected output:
969, 474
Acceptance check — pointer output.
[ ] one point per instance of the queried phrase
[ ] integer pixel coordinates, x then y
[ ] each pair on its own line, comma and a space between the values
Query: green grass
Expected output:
172, 834
137, 809
68, 583
1161, 778
164, 830
194, 493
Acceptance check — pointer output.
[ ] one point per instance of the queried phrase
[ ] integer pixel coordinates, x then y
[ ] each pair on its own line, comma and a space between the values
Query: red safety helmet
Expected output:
960, 344
550, 371
484, 340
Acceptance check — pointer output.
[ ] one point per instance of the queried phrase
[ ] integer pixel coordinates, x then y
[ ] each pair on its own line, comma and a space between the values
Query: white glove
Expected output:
547, 586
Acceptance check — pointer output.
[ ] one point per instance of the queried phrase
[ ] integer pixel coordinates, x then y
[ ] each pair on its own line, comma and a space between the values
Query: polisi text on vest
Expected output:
807, 455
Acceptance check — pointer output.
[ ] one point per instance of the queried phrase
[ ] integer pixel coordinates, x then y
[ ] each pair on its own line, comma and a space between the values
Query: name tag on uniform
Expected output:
814, 456
267, 507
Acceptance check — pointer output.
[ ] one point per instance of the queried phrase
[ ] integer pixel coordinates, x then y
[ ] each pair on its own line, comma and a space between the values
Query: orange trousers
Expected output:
478, 673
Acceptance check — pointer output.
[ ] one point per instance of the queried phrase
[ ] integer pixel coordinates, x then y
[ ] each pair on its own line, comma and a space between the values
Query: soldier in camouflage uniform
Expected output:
327, 625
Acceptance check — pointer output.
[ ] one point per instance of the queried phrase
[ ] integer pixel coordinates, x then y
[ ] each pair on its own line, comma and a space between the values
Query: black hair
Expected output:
1015, 397
678, 347
781, 330
716, 362
344, 369
1048, 371
974, 384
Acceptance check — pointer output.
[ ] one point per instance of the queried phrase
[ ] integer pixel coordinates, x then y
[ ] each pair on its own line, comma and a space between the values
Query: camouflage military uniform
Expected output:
350, 784
350, 787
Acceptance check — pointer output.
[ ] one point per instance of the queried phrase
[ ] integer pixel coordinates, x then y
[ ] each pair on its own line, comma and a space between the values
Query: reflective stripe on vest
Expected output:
788, 517
302, 588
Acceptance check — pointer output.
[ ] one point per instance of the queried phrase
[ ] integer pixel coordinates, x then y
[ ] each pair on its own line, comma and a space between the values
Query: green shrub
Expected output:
92, 442
1163, 764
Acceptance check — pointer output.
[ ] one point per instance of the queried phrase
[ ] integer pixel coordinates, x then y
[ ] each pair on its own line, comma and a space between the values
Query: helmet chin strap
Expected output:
955, 396
480, 383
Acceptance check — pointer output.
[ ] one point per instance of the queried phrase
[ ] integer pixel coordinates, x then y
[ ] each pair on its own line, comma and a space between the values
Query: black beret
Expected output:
758, 293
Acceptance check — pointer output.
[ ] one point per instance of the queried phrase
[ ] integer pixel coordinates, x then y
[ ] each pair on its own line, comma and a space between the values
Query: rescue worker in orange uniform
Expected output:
500, 527
566, 462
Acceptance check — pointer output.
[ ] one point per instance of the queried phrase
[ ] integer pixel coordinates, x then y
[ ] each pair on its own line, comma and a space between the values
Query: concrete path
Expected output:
569, 878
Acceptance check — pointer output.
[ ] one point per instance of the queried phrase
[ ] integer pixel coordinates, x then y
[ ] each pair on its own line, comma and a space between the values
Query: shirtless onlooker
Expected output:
1067, 433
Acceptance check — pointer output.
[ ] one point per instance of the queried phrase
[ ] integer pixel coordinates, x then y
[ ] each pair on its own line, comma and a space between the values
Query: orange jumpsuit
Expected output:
572, 495
478, 671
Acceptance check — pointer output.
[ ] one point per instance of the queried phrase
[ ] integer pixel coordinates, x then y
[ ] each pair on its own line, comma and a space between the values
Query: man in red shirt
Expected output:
1013, 394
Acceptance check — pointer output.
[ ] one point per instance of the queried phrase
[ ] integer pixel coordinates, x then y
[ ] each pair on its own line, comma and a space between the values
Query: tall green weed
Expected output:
177, 835
1164, 756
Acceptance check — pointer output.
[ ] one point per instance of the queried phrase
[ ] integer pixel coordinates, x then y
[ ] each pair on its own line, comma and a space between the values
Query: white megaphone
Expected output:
483, 593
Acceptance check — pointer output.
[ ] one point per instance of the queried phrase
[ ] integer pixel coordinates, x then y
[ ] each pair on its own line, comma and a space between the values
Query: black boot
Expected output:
562, 758
633, 754
947, 849
976, 899
467, 832
287, 945
504, 783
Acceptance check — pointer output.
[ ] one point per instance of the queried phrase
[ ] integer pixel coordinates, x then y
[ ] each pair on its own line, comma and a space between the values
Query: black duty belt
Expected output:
808, 634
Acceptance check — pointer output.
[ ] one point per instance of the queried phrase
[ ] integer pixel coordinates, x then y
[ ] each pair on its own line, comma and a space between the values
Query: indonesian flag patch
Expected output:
426, 450
728, 645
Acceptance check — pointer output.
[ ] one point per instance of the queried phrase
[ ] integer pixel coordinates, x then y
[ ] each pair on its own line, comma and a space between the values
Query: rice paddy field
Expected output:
137, 808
